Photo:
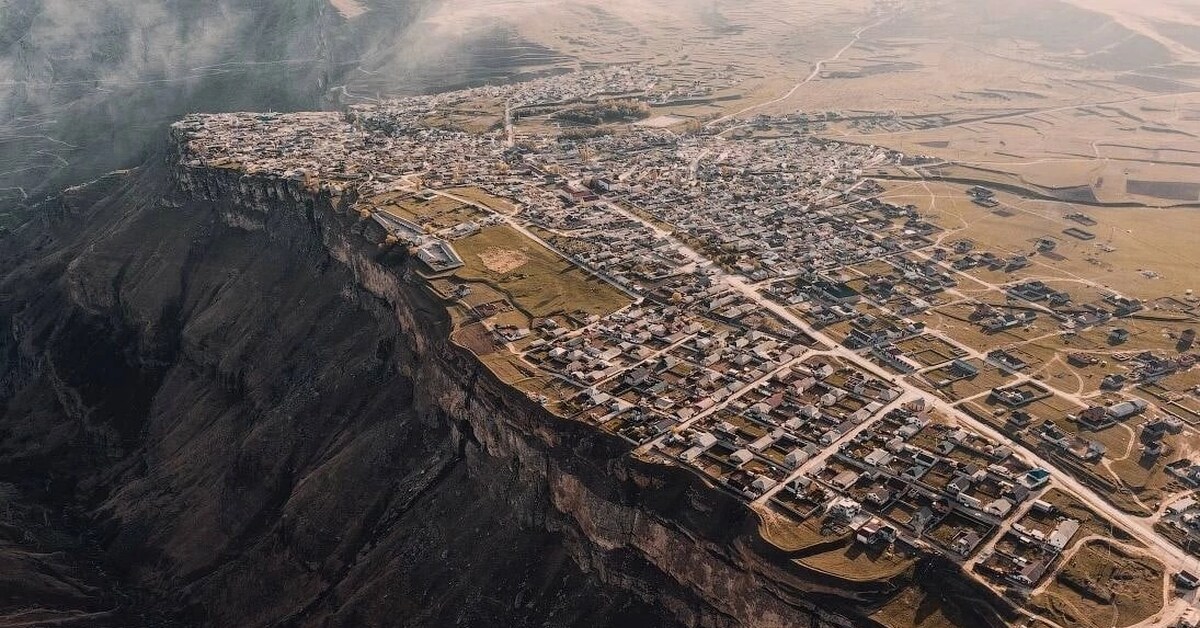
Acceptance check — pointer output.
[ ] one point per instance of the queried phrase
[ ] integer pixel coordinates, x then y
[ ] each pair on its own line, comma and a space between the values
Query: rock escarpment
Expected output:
224, 402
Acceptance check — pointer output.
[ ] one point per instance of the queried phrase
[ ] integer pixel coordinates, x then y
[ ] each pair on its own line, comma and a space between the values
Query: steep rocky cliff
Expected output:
224, 402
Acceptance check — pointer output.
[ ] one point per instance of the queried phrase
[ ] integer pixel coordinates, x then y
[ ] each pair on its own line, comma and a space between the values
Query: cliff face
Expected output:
223, 400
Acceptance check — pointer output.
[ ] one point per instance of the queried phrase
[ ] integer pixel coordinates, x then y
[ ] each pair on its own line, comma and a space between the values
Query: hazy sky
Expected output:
88, 83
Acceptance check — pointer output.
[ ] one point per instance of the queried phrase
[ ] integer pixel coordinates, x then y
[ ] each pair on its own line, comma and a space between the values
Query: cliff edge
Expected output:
224, 400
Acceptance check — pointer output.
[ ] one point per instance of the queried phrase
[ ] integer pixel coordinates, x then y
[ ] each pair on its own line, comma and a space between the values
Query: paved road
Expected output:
819, 459
509, 136
808, 79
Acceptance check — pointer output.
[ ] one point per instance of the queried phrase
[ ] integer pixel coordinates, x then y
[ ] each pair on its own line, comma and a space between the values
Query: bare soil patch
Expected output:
502, 261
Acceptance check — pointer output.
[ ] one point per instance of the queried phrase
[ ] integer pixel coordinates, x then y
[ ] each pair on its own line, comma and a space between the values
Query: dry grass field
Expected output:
858, 563
543, 284
836, 554
476, 195
1142, 252
789, 535
1090, 522
1101, 586
433, 214
917, 607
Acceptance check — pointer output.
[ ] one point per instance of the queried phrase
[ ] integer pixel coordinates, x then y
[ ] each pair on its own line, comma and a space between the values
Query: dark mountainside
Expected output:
200, 425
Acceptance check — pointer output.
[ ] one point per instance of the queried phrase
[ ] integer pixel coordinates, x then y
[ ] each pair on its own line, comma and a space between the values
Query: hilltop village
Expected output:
741, 298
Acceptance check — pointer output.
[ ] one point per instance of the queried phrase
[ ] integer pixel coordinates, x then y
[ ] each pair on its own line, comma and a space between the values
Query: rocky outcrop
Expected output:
224, 402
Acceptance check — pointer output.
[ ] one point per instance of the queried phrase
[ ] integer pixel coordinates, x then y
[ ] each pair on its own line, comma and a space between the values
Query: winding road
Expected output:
816, 72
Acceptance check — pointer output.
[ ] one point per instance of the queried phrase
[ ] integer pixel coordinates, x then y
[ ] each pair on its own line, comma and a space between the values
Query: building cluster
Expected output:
731, 248
688, 346
763, 209
756, 438
408, 115
934, 482
1147, 367
1181, 516
1026, 552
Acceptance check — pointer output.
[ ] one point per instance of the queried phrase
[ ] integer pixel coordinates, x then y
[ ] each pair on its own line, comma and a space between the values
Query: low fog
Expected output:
90, 86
